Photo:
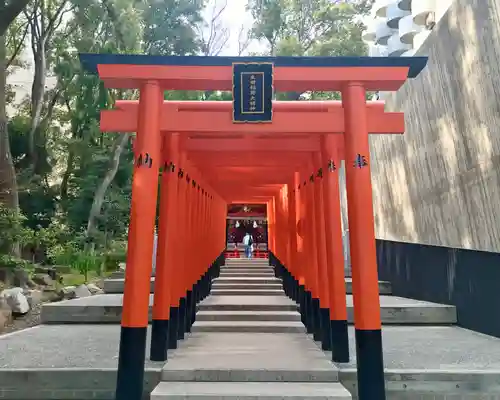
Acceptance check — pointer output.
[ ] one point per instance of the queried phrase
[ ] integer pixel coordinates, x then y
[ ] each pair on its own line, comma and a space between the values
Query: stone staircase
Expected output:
248, 342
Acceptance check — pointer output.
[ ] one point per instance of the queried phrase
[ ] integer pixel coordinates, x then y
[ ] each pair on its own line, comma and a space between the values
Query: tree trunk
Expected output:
9, 195
66, 175
37, 95
95, 210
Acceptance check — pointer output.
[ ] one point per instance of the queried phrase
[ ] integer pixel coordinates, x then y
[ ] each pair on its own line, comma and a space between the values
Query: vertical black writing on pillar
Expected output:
144, 160
253, 92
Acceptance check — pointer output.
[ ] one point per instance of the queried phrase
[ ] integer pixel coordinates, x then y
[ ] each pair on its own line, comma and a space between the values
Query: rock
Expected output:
82, 291
15, 277
43, 279
94, 289
5, 313
34, 297
21, 278
51, 294
50, 271
16, 300
67, 293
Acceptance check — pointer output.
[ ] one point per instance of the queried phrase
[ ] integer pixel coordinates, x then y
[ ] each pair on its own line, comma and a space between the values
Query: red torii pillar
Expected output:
368, 326
335, 250
174, 301
183, 202
140, 245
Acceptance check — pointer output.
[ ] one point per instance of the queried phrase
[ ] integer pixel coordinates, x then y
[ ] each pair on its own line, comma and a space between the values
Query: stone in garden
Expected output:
82, 291
43, 279
16, 300
94, 289
5, 313
33, 296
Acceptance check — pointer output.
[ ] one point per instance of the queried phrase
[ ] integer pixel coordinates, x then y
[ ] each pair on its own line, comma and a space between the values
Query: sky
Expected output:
233, 17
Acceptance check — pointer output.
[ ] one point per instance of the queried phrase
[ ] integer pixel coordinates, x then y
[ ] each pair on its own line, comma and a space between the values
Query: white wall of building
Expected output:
399, 27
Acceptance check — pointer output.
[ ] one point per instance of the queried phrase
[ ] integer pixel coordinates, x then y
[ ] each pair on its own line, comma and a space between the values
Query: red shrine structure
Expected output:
253, 150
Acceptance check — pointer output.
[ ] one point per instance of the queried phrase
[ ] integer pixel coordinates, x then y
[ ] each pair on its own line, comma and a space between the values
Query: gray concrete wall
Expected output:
440, 183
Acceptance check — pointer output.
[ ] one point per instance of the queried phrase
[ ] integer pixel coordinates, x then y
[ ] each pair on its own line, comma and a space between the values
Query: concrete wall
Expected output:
440, 183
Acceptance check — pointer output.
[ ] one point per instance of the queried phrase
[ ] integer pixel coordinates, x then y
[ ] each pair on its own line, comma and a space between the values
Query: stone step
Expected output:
80, 361
243, 270
247, 303
246, 264
247, 316
249, 391
249, 280
107, 308
247, 267
243, 357
116, 285
113, 286
249, 326
247, 292
265, 275
383, 287
275, 286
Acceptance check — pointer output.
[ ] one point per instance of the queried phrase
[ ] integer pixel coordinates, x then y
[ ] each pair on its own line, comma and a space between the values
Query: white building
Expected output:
399, 27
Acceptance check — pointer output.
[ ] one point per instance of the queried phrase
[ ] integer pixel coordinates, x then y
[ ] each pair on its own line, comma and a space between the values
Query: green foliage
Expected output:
8, 261
309, 28
74, 156
12, 229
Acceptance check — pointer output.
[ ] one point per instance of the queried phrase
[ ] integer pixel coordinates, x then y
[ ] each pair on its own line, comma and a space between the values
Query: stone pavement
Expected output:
242, 346
247, 346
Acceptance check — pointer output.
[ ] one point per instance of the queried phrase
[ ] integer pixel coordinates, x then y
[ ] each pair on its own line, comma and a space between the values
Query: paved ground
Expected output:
238, 356
63, 346
435, 348
52, 346
115, 300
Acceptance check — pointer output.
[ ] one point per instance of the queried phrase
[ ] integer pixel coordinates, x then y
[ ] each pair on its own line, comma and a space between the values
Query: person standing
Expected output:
248, 243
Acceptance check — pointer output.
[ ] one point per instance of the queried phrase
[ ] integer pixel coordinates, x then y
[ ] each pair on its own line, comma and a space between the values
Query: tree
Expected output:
9, 198
309, 28
171, 27
44, 18
9, 10
213, 34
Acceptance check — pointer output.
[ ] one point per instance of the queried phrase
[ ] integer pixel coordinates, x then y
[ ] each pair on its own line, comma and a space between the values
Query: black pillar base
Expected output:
309, 313
302, 304
189, 308
192, 316
295, 296
132, 354
173, 327
340, 341
371, 382
181, 327
317, 320
326, 334
159, 340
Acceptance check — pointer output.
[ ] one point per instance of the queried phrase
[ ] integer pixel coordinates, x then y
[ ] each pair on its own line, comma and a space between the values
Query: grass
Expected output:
75, 278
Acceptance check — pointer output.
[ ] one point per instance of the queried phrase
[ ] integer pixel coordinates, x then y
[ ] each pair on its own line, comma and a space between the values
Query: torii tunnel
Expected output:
211, 154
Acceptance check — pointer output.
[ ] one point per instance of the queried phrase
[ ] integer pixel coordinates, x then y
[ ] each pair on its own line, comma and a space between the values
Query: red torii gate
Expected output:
353, 77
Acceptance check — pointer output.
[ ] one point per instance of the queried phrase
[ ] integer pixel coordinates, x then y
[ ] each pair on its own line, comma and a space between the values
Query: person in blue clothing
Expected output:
248, 243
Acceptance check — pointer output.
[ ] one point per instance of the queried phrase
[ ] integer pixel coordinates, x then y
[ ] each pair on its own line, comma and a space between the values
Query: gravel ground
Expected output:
32, 318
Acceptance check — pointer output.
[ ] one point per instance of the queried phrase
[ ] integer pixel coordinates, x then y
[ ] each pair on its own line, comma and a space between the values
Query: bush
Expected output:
113, 260
81, 260
7, 261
